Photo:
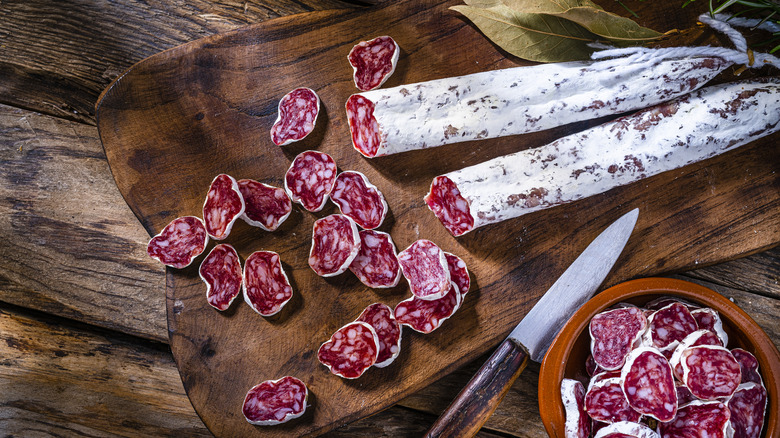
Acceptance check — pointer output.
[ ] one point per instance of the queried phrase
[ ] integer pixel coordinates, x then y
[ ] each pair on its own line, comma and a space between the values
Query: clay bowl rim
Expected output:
738, 324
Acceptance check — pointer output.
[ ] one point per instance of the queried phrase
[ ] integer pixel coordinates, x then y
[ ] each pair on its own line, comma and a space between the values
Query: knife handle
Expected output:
480, 397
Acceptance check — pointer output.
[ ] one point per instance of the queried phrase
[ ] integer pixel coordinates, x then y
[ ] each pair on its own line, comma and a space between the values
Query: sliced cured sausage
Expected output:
178, 244
661, 302
577, 423
514, 101
221, 271
748, 365
298, 112
614, 333
709, 319
224, 204
335, 243
710, 371
699, 337
425, 267
626, 429
684, 395
275, 401
388, 331
649, 385
425, 316
698, 419
310, 179
352, 350
748, 408
359, 199
459, 273
266, 287
373, 62
606, 402
266, 206
591, 367
668, 326
376, 264
577, 166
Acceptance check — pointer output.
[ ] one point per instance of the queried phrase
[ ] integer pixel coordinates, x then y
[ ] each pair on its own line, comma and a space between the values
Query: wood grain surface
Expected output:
175, 120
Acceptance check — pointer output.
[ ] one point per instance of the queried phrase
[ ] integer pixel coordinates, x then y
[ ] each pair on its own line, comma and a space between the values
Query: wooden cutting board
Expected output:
177, 119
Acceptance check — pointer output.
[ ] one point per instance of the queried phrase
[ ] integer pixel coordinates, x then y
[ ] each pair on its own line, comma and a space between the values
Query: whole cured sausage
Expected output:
179, 243
266, 286
275, 401
425, 267
640, 145
705, 419
710, 372
649, 385
376, 264
614, 334
577, 423
373, 62
224, 204
388, 331
298, 112
514, 101
310, 179
359, 199
335, 243
266, 206
425, 316
352, 350
221, 271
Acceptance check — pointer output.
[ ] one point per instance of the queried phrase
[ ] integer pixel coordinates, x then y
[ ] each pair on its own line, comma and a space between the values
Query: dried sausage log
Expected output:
614, 334
698, 419
425, 267
224, 204
179, 243
266, 286
357, 198
335, 243
425, 316
710, 372
298, 112
275, 401
388, 331
266, 206
373, 62
310, 179
596, 160
649, 385
352, 350
577, 423
221, 271
376, 264
514, 101
748, 407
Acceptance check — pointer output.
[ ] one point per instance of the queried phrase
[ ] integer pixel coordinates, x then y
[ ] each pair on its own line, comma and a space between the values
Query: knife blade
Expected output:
535, 332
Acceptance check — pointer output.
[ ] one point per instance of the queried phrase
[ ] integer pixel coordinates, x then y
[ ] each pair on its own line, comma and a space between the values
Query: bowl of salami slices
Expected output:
660, 357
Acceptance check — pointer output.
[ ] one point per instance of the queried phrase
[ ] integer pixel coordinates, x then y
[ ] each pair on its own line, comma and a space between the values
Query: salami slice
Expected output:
359, 199
606, 402
699, 337
514, 101
626, 429
649, 385
748, 365
388, 330
335, 243
310, 179
577, 423
661, 302
221, 271
684, 395
709, 319
668, 326
298, 112
373, 62
266, 287
614, 154
748, 408
591, 367
351, 350
179, 243
376, 264
425, 316
224, 204
275, 401
698, 419
710, 371
614, 334
266, 206
604, 375
459, 274
425, 267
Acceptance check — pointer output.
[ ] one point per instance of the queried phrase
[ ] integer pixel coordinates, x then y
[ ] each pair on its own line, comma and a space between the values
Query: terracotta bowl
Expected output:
567, 354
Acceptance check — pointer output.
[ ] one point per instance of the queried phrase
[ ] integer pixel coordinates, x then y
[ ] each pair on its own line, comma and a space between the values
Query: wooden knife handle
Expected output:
480, 397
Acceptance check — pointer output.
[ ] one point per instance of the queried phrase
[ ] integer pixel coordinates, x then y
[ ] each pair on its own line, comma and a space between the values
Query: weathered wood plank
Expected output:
58, 56
759, 273
71, 246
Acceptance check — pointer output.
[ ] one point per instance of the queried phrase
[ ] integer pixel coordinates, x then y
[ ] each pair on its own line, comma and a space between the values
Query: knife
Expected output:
534, 334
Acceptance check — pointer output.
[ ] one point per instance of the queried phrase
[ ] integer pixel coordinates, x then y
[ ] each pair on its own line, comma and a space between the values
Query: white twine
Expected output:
720, 22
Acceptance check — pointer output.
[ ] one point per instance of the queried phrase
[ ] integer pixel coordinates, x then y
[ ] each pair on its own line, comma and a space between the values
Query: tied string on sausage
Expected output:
741, 54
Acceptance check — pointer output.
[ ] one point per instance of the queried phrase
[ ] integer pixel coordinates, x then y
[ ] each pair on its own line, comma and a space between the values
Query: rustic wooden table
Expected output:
82, 307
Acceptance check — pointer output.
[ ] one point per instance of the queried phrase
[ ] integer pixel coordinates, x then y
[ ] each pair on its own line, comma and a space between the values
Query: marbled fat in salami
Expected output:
357, 198
699, 337
445, 201
668, 326
459, 273
266, 206
425, 267
748, 408
376, 264
352, 350
266, 287
626, 429
178, 244
221, 271
275, 401
709, 319
710, 371
425, 316
614, 333
649, 385
388, 331
373, 62
748, 365
606, 402
577, 424
310, 179
335, 243
698, 419
224, 204
298, 112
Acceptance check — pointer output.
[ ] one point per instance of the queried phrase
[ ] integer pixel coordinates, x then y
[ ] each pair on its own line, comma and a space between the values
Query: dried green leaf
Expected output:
535, 37
617, 29
544, 7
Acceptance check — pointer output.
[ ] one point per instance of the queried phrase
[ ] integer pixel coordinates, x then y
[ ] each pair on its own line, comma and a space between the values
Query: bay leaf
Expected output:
535, 37
545, 6
617, 29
